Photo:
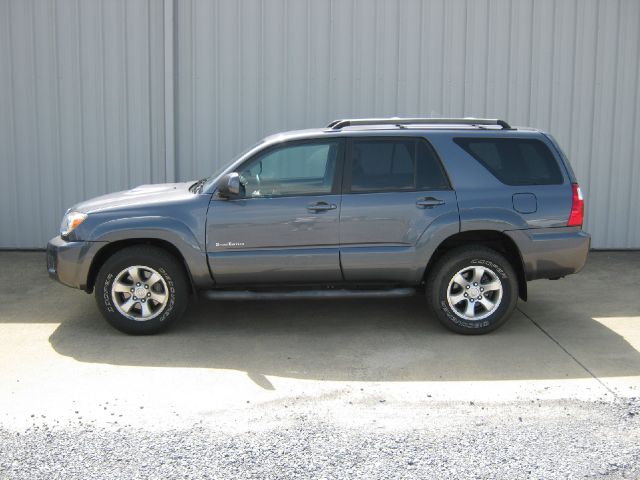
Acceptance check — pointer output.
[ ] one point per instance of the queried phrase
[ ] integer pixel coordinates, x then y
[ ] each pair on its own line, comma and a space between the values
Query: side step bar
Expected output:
306, 294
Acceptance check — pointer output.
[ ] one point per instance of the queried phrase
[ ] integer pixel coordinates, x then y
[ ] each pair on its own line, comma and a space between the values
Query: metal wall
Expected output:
81, 107
84, 105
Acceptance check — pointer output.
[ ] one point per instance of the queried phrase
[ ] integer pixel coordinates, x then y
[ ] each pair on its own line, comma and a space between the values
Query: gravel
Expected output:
532, 439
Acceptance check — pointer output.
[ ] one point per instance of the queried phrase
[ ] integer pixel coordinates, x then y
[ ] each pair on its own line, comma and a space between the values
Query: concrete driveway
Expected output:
238, 366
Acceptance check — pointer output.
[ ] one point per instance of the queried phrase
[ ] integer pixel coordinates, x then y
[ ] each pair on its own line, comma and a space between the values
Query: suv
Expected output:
466, 211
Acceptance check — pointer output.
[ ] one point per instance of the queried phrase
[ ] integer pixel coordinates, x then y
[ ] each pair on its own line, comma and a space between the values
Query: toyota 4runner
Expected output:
465, 211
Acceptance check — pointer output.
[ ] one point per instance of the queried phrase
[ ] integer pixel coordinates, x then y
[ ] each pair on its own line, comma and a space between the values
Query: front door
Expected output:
394, 188
284, 225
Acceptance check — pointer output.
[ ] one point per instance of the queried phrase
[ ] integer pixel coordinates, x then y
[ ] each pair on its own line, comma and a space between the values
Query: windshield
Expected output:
210, 180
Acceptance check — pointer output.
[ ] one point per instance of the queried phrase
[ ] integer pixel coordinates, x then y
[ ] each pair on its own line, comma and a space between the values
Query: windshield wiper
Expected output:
197, 187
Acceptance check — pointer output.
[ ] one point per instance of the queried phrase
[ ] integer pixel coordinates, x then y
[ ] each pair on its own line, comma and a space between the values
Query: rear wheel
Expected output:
472, 290
141, 290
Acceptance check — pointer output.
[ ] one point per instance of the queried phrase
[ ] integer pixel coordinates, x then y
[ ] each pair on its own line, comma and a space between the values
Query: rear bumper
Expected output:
551, 252
69, 262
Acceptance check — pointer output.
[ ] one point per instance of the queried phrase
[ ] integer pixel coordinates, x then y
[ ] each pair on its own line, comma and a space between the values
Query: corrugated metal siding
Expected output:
82, 90
250, 68
81, 107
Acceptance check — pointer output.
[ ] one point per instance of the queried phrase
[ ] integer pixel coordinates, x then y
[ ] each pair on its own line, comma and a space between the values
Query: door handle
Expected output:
321, 206
429, 202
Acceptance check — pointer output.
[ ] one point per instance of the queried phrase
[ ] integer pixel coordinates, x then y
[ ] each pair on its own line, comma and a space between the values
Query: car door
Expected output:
394, 189
284, 225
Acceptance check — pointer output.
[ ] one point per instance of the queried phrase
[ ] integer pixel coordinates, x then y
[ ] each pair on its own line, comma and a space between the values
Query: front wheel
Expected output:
141, 290
472, 290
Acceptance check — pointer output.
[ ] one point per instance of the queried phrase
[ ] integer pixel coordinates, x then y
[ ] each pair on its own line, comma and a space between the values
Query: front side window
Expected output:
514, 161
379, 165
297, 169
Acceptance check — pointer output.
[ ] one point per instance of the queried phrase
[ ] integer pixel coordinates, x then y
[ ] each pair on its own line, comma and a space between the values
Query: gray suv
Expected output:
465, 211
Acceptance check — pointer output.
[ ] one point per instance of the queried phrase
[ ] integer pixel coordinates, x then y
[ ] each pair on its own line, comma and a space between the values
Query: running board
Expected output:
306, 294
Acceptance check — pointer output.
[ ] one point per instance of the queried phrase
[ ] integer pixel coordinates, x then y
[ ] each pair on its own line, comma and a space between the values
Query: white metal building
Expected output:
103, 95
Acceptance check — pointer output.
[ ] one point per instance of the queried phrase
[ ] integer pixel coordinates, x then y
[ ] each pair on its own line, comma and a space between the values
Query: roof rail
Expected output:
338, 124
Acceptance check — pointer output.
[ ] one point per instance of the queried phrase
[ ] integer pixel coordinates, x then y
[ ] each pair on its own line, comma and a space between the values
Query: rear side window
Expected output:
379, 165
514, 161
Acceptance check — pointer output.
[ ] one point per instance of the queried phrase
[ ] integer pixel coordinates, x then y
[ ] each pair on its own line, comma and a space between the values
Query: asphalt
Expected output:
350, 387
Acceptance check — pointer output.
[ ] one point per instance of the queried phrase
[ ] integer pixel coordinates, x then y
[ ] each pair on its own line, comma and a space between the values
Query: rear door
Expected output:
284, 226
393, 189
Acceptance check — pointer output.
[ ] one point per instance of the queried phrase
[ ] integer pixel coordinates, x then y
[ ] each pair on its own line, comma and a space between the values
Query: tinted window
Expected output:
403, 164
514, 161
298, 169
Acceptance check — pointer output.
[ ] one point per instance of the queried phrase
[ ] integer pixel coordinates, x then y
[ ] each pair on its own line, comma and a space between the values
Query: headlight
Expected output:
70, 221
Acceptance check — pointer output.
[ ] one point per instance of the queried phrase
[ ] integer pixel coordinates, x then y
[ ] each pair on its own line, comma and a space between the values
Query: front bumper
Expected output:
69, 262
551, 252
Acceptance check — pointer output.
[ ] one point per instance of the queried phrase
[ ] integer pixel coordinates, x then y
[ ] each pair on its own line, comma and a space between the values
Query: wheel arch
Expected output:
492, 239
112, 248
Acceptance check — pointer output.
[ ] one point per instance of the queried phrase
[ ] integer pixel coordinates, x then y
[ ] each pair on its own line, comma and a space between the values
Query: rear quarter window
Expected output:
514, 161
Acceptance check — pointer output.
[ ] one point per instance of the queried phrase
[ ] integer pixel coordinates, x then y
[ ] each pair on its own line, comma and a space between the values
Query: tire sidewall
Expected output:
173, 309
445, 313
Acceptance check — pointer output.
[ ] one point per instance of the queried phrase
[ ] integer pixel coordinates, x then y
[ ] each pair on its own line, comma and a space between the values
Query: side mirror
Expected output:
229, 185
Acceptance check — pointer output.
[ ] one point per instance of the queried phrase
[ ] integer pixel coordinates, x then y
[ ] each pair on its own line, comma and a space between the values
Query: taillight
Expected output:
576, 217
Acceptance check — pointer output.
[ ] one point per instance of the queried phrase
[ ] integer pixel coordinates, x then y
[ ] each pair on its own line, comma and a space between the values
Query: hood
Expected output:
142, 196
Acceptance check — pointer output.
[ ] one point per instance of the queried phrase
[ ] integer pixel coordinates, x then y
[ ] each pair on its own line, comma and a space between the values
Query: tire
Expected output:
469, 306
163, 287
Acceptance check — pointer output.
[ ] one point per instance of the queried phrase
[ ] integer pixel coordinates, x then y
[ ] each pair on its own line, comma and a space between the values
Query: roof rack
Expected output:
338, 124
